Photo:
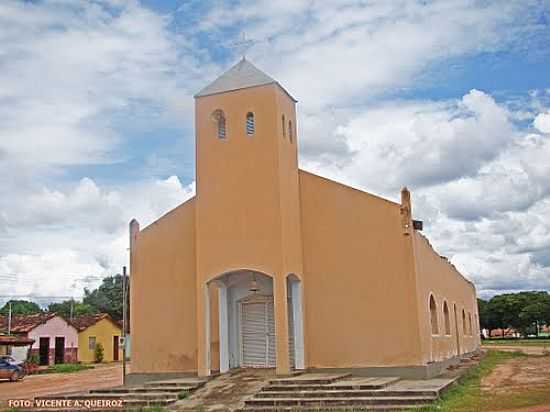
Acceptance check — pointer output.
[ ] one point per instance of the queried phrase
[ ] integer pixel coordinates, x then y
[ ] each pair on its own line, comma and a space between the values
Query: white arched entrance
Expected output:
246, 320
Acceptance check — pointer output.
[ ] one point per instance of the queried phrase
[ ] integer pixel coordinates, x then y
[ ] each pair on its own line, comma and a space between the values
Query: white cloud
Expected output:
542, 122
327, 52
420, 143
64, 240
69, 68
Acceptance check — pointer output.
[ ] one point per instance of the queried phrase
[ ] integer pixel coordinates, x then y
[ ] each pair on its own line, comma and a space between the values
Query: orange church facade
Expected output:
272, 266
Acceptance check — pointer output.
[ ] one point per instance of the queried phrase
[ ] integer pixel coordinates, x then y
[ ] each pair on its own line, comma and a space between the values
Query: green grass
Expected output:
67, 368
519, 342
183, 395
468, 397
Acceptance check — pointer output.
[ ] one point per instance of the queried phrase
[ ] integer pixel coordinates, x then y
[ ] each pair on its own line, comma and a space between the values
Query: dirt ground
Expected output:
520, 375
517, 374
529, 350
102, 376
540, 408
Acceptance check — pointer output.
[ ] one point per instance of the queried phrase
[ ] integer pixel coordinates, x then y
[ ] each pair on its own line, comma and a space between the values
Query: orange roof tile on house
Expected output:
25, 323
12, 340
83, 322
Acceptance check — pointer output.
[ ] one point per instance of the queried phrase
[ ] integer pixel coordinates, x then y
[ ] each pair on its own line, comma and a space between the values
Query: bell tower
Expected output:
247, 207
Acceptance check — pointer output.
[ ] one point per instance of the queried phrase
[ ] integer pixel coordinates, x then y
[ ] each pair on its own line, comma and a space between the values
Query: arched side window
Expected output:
219, 118
290, 134
433, 316
464, 322
470, 323
250, 127
446, 318
284, 125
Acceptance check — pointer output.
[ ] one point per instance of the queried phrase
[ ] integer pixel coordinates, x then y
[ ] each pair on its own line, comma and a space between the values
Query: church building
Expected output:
270, 266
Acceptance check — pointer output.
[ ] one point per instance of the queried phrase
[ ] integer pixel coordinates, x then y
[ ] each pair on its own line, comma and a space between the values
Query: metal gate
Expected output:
257, 332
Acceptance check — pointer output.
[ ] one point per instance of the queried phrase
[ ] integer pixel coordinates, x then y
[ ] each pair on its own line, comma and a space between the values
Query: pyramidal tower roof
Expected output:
241, 76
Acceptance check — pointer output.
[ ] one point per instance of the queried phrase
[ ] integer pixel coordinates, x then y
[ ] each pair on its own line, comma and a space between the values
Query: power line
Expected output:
13, 275
31, 296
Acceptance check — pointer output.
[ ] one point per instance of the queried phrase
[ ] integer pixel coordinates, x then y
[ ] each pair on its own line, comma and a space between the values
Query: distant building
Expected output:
94, 330
16, 346
55, 340
272, 266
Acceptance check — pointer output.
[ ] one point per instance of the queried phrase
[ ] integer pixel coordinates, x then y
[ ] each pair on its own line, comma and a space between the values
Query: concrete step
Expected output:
310, 379
167, 389
348, 393
146, 396
351, 384
343, 402
194, 383
141, 403
335, 408
128, 404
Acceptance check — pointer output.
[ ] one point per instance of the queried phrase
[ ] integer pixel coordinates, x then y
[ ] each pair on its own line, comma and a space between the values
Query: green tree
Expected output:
483, 310
523, 311
107, 297
20, 307
78, 308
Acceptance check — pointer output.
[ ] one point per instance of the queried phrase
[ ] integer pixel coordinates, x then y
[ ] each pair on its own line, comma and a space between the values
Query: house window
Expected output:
447, 319
464, 322
250, 123
219, 118
91, 342
433, 316
290, 130
284, 125
470, 323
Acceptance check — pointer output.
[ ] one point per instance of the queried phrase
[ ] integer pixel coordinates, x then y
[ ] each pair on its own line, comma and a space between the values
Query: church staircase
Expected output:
157, 393
312, 391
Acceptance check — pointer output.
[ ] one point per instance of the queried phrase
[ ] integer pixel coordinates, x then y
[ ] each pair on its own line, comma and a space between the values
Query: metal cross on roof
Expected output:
243, 44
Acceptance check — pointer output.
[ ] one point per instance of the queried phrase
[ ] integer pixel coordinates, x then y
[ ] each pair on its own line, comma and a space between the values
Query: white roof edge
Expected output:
248, 87
242, 75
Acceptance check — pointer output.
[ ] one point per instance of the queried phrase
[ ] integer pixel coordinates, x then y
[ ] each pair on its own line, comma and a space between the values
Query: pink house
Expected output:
55, 340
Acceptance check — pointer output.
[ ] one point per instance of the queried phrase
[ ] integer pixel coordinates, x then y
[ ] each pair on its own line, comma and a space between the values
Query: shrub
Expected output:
183, 394
98, 353
33, 358
68, 368
31, 364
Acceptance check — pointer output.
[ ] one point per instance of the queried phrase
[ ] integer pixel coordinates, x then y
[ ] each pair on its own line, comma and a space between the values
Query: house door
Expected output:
257, 332
115, 348
59, 349
44, 351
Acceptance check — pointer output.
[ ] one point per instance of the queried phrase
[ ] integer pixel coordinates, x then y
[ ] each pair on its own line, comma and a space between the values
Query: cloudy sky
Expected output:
451, 98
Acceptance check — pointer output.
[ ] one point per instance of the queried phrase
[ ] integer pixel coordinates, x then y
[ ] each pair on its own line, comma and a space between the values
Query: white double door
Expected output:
257, 332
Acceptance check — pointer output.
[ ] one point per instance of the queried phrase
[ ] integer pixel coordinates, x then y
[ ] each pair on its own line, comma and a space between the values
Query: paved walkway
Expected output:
103, 376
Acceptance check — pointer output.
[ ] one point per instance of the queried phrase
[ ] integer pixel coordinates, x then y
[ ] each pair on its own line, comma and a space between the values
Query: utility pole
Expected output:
9, 317
72, 310
124, 325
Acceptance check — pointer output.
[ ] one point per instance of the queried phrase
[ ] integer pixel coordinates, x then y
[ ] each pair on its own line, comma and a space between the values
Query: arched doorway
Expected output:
246, 320
456, 331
